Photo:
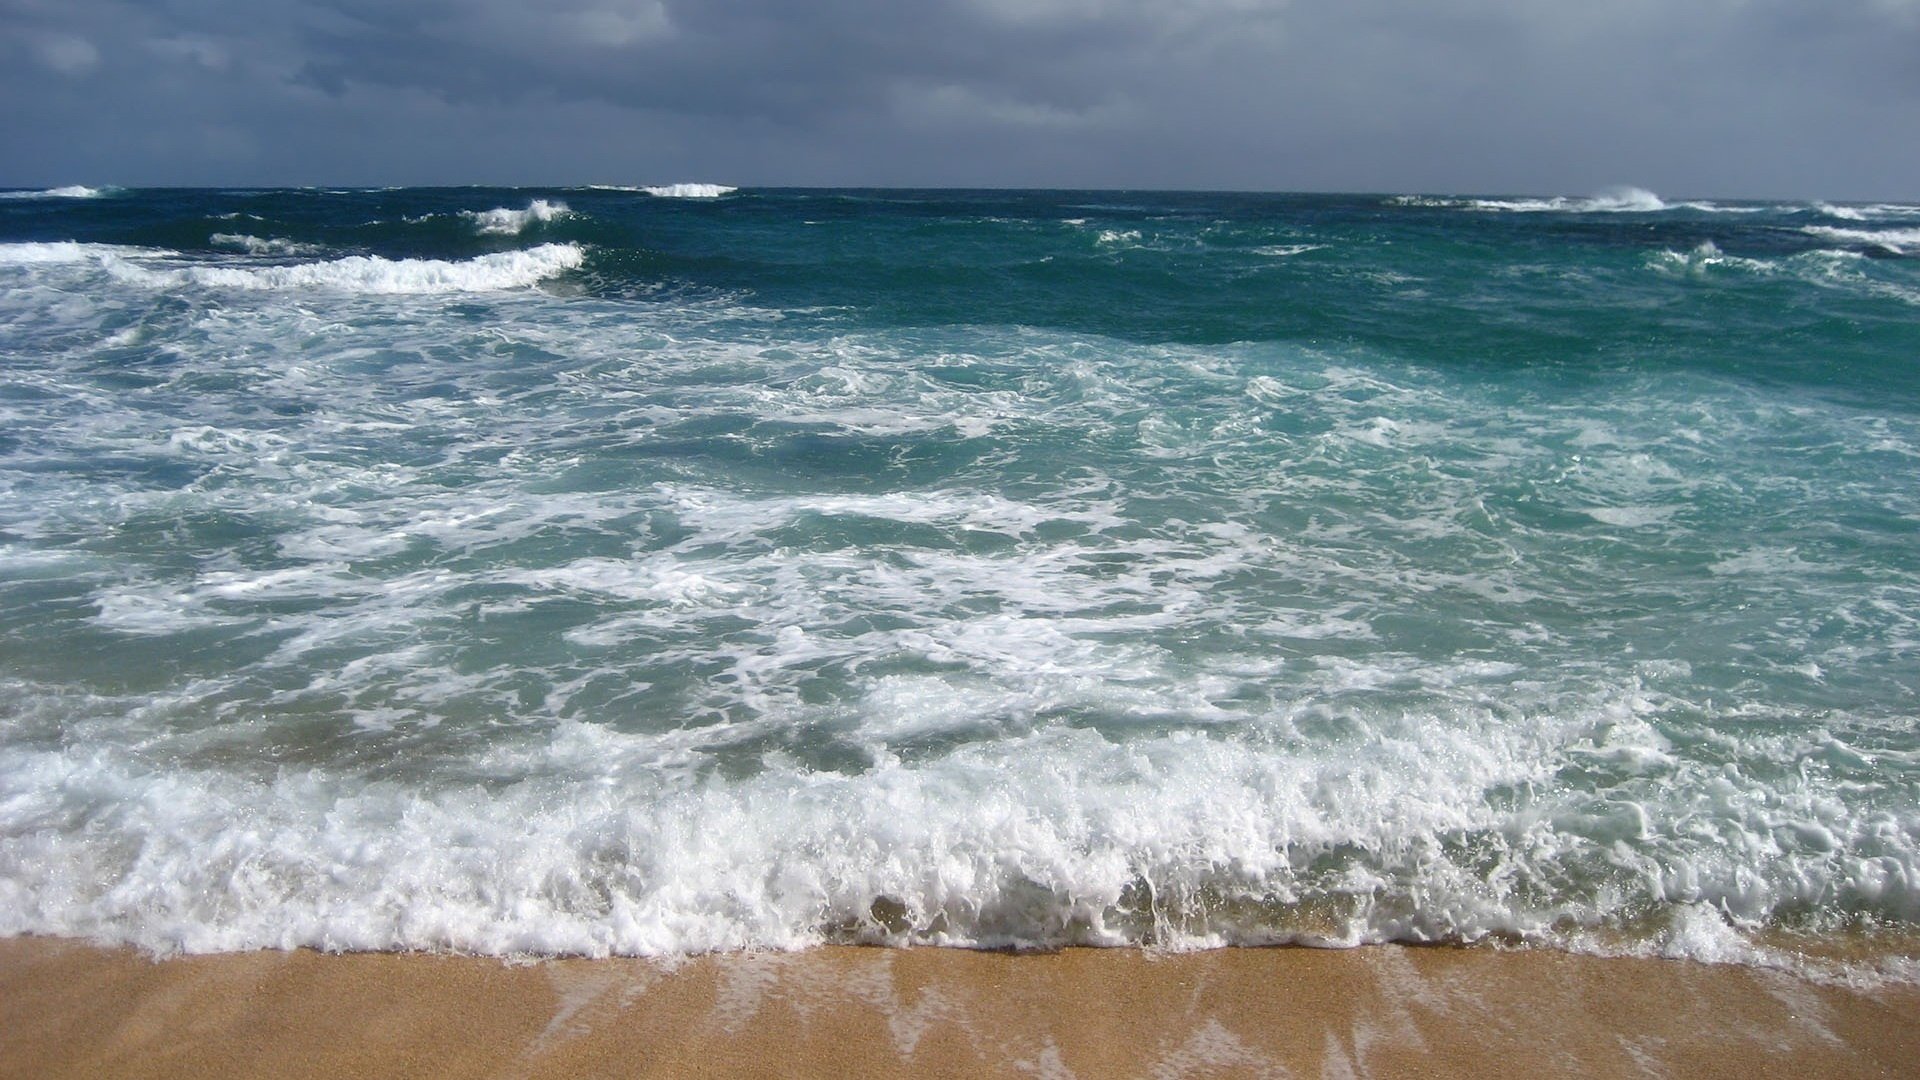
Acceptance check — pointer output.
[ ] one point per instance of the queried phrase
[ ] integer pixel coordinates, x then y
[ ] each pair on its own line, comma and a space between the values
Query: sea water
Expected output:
658, 569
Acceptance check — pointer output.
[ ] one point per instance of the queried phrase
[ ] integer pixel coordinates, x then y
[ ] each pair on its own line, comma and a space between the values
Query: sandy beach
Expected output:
77, 1010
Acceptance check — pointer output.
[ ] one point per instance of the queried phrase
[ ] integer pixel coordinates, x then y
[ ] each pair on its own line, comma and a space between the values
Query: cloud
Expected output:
952, 104
67, 54
1711, 97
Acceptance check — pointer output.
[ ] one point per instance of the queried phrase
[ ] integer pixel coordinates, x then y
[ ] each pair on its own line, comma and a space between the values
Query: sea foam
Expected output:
1898, 241
610, 843
690, 191
71, 191
366, 273
67, 251
254, 245
1626, 200
761, 611
503, 221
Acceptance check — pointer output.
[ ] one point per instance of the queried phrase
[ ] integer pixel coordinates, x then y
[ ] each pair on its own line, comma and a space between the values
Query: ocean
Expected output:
661, 570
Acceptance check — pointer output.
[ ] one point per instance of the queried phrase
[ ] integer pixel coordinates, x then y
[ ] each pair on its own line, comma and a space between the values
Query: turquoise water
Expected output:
604, 570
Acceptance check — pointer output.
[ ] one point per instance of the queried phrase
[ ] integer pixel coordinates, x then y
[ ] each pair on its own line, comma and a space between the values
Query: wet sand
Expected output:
74, 1010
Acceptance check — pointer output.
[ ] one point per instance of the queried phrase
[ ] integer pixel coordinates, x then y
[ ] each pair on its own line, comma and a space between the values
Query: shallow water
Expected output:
595, 570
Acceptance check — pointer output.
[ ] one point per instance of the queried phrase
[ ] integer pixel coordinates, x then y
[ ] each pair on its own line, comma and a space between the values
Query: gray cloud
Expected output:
1711, 97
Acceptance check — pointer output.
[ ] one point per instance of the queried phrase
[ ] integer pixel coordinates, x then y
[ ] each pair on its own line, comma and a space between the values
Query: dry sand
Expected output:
74, 1010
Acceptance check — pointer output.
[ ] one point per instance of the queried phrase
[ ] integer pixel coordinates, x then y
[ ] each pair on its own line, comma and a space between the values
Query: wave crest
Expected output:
70, 191
368, 273
1898, 241
504, 221
675, 191
254, 245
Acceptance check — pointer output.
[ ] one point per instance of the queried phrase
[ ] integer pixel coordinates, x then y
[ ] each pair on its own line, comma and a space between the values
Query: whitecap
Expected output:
503, 221
254, 245
66, 251
1625, 200
70, 191
368, 273
1898, 241
670, 191
1704, 256
1433, 201
690, 191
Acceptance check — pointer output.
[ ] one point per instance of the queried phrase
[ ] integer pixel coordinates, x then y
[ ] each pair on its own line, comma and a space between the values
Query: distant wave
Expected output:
254, 245
1614, 201
1624, 200
1828, 268
1898, 241
66, 251
1866, 212
71, 191
1705, 255
502, 221
674, 191
353, 274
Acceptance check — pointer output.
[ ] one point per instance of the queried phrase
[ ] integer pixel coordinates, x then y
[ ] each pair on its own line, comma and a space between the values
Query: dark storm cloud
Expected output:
1711, 97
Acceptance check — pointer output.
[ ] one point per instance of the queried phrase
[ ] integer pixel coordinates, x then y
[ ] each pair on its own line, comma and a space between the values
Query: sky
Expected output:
1728, 98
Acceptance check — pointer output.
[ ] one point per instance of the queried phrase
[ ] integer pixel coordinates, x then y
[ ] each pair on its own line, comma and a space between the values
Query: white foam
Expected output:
681, 709
1624, 200
502, 221
674, 191
1898, 241
1282, 251
254, 245
1706, 256
1866, 211
599, 842
71, 191
366, 273
1631, 517
67, 251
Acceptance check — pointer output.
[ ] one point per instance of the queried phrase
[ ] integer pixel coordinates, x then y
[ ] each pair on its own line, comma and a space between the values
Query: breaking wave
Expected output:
353, 274
1624, 200
254, 245
70, 191
1898, 241
503, 221
672, 191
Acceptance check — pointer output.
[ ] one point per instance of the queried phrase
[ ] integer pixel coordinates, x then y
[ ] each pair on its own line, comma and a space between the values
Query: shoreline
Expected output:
76, 1009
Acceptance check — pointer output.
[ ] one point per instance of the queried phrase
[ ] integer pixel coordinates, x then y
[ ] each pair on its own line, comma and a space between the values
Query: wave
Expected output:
502, 221
1054, 837
254, 245
70, 191
1824, 268
674, 191
1865, 211
67, 251
355, 273
1898, 241
1625, 200
1705, 255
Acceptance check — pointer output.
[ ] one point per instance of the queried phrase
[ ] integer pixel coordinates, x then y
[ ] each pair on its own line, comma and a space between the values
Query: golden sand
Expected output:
74, 1010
